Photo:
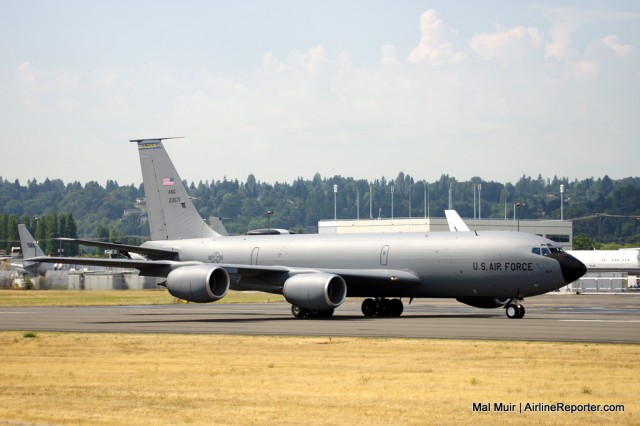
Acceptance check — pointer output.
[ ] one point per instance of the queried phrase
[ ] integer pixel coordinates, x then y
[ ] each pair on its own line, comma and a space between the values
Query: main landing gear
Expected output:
382, 307
514, 310
299, 312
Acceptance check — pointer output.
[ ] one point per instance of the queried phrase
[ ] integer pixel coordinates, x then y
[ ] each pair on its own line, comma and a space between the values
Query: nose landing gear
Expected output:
514, 310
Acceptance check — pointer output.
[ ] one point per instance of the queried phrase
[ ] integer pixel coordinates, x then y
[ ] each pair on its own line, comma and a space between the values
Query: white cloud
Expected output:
612, 42
434, 47
559, 48
506, 45
315, 110
388, 55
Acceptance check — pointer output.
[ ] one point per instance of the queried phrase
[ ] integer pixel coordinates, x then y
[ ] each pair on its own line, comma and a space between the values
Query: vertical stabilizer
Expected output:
28, 243
30, 248
172, 215
456, 224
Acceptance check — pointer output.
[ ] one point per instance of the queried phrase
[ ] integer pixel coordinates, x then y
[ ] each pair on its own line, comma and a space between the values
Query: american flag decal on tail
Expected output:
168, 181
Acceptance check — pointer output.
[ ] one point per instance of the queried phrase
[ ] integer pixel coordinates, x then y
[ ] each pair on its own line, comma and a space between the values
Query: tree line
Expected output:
603, 209
45, 229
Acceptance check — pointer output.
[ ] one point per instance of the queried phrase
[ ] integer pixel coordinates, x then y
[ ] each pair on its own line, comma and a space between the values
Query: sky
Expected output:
287, 89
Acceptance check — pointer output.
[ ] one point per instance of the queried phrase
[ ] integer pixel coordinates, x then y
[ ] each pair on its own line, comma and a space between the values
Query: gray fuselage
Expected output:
446, 264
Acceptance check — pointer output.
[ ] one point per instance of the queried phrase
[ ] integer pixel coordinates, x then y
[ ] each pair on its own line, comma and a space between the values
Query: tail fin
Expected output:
456, 224
31, 249
172, 215
28, 243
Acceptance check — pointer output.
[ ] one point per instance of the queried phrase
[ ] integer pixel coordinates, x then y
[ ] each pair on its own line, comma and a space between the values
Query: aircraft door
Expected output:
254, 255
384, 255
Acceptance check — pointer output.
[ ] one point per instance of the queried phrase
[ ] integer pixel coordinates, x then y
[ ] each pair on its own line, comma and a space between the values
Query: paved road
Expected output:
565, 318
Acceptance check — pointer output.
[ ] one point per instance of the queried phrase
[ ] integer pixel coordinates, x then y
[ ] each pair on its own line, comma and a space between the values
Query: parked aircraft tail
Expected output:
456, 224
28, 243
31, 249
172, 215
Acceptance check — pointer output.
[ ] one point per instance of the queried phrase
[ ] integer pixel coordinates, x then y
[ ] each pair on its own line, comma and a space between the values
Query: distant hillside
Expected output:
609, 208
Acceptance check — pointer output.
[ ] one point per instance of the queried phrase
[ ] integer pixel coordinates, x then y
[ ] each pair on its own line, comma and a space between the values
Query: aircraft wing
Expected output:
272, 275
154, 268
275, 276
152, 253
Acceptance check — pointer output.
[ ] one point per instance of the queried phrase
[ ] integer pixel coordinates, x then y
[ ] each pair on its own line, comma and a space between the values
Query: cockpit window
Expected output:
546, 250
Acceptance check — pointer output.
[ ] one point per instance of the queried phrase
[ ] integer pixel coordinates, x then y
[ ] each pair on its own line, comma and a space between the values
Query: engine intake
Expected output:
318, 291
198, 283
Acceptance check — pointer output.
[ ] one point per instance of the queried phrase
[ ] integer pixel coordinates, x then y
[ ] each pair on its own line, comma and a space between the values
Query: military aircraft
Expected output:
316, 272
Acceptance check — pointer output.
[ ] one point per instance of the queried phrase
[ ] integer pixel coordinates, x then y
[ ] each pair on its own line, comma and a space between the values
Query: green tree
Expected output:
583, 242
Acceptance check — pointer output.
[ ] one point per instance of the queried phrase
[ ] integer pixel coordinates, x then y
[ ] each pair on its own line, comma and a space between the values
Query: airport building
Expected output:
557, 230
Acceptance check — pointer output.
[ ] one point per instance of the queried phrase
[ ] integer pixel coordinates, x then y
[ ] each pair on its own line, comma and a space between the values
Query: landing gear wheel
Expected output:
381, 307
384, 308
395, 307
298, 312
327, 313
369, 307
515, 311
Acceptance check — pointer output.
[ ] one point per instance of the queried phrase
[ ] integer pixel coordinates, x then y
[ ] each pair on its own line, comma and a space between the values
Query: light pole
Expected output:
479, 201
392, 191
335, 202
474, 201
561, 202
410, 188
425, 199
35, 230
269, 214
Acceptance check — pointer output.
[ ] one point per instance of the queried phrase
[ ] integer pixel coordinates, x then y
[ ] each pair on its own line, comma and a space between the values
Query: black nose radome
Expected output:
572, 268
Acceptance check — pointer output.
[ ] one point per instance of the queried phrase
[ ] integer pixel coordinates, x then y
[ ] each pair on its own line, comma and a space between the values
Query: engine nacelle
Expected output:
483, 302
318, 291
198, 283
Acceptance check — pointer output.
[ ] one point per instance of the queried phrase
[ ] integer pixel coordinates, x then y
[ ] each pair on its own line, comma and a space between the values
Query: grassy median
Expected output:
69, 378
13, 298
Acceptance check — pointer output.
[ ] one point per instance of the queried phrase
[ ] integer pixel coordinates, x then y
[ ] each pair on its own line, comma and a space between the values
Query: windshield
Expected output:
546, 249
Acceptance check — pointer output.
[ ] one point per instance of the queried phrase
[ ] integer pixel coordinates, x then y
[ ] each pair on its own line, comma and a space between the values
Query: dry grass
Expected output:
13, 298
66, 378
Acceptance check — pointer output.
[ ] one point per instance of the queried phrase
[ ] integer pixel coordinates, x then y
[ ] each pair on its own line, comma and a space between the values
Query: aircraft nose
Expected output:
571, 268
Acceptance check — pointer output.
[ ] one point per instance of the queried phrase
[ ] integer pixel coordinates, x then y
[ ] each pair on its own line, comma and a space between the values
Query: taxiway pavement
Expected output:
552, 317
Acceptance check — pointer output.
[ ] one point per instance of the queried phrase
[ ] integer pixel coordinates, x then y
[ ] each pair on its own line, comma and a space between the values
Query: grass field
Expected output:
68, 378
10, 298
106, 379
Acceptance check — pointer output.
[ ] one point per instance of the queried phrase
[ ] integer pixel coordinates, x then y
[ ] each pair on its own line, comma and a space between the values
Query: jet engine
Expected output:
317, 291
483, 302
198, 283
